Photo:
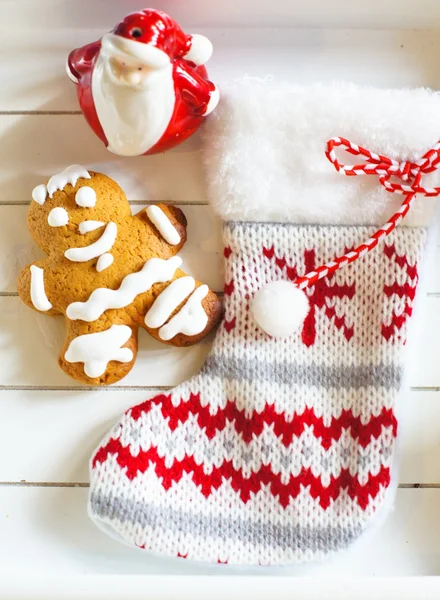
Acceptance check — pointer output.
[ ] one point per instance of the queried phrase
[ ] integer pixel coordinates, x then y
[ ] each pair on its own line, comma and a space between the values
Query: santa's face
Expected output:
133, 86
132, 63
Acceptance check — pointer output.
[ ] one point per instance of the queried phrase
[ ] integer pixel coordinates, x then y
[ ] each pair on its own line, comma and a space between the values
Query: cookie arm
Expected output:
98, 353
80, 61
181, 313
198, 93
168, 225
34, 291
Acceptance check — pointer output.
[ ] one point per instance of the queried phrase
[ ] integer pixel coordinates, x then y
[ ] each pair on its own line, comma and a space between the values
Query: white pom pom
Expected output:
200, 51
280, 308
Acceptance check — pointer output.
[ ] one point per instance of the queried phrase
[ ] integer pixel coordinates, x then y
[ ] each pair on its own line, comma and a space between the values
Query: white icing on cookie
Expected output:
88, 226
155, 270
39, 194
38, 293
58, 217
104, 261
104, 244
70, 175
96, 350
190, 320
167, 302
163, 225
86, 197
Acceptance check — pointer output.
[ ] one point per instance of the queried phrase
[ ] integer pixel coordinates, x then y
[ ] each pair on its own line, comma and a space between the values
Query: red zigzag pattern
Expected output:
252, 426
244, 486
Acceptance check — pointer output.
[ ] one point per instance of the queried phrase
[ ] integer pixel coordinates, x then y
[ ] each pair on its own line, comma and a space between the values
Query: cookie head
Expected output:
74, 209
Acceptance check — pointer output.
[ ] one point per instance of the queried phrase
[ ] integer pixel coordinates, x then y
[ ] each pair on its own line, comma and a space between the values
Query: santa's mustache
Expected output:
126, 74
131, 62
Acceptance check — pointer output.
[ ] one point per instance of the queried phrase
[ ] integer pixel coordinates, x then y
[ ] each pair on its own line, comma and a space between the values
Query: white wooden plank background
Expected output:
49, 425
384, 57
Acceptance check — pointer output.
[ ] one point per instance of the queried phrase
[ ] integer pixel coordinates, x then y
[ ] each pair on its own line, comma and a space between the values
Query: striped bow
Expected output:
385, 167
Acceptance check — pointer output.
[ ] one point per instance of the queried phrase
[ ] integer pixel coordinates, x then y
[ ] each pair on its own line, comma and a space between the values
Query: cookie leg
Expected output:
98, 355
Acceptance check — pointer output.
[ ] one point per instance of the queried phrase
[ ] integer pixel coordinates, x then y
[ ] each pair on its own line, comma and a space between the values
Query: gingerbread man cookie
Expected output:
109, 273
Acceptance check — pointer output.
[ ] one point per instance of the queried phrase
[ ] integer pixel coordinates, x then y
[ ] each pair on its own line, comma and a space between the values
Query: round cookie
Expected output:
109, 273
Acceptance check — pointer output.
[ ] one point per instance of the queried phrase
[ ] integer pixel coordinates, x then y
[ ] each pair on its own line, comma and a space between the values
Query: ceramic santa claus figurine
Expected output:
143, 88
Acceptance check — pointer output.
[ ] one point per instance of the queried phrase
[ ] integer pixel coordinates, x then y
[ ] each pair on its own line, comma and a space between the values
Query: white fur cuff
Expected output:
264, 151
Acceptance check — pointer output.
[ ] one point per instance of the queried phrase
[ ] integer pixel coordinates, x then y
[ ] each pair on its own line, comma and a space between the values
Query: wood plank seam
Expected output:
45, 484
131, 202
16, 113
15, 294
60, 388
123, 388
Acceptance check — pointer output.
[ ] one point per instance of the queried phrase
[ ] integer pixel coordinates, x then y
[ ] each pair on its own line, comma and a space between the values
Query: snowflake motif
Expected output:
405, 291
321, 295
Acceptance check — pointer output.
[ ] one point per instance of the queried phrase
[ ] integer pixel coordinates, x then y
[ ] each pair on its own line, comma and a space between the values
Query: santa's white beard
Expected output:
133, 119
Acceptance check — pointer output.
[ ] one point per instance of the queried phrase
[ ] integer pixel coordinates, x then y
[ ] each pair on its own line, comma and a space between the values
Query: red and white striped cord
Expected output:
385, 168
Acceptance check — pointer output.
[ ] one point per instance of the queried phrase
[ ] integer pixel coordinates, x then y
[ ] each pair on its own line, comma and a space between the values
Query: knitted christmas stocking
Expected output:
281, 449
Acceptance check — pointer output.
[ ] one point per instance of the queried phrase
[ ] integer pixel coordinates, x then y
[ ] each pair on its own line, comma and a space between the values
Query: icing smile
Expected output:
101, 246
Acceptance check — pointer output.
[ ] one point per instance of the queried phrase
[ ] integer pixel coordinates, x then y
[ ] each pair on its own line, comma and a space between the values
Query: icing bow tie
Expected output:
410, 173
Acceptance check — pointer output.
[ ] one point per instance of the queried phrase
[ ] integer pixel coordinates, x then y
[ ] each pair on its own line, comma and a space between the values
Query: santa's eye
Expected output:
136, 32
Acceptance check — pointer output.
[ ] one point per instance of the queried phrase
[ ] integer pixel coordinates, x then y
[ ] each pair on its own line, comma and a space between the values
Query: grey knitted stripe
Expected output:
340, 377
183, 522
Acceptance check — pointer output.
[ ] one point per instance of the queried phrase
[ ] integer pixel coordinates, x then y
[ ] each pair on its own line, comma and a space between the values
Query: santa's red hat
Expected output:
156, 29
